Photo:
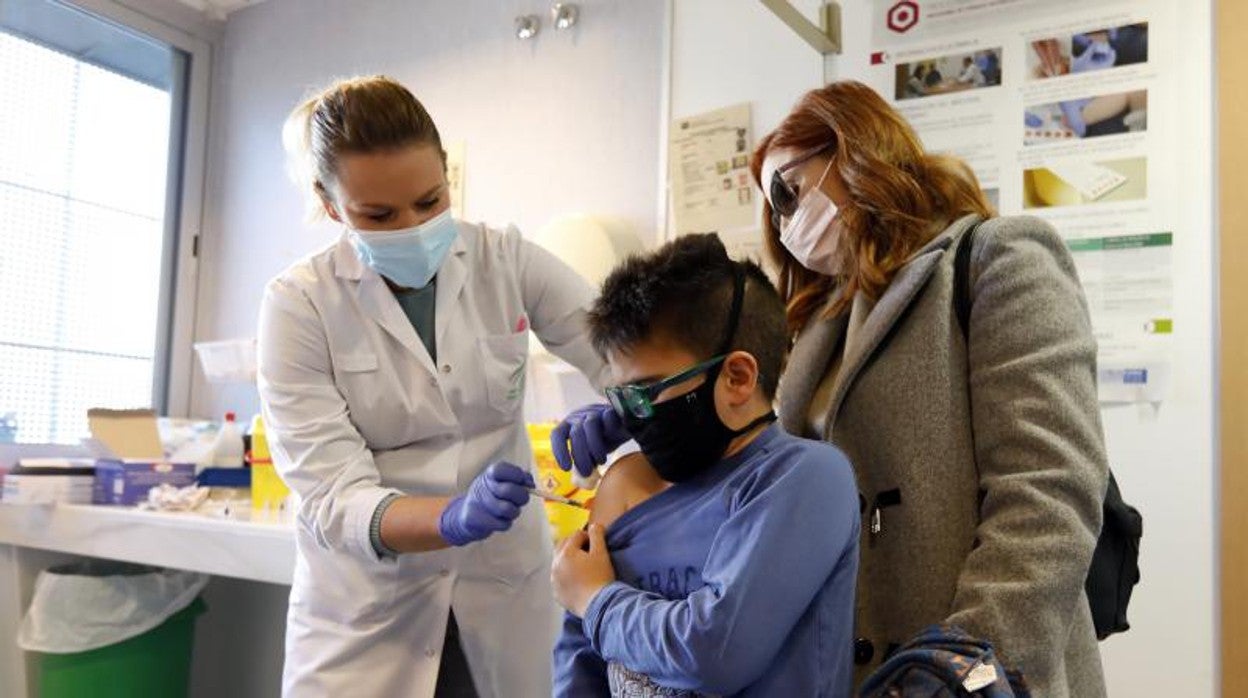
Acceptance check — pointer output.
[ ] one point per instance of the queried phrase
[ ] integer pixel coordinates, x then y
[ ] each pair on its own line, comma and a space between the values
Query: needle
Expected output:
554, 498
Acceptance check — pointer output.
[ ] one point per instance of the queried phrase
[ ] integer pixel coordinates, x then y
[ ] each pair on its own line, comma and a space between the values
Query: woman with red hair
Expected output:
979, 451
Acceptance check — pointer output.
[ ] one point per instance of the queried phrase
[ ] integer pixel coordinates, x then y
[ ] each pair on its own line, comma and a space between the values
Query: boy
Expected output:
724, 562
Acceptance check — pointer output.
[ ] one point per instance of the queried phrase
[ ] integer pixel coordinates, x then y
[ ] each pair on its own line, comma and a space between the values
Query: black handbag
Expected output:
1115, 568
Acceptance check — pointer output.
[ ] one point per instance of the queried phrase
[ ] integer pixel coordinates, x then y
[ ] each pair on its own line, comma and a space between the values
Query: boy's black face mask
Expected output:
685, 436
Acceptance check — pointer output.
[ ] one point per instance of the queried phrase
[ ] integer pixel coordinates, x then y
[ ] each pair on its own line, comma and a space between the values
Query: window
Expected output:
87, 122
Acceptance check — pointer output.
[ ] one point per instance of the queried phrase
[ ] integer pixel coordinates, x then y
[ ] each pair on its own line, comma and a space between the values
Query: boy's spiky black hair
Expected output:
683, 292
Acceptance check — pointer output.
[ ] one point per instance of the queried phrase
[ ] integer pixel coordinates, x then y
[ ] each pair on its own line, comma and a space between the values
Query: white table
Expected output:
33, 536
263, 552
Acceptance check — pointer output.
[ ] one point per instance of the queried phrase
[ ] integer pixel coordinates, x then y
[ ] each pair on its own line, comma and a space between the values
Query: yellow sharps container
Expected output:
268, 492
551, 478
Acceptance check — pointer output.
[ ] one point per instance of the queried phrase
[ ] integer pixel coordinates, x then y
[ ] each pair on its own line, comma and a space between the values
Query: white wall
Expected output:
568, 122
725, 52
729, 51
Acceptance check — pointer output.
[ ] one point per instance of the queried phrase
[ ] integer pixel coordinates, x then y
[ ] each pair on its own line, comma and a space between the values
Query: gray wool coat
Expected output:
989, 482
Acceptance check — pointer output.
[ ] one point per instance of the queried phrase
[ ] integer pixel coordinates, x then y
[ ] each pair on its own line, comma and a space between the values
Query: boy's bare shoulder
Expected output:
628, 482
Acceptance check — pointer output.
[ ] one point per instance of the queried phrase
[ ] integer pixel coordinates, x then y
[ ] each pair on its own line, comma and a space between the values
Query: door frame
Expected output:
1231, 155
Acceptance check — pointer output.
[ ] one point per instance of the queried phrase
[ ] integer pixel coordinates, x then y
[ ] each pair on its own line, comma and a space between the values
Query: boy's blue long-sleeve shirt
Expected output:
739, 582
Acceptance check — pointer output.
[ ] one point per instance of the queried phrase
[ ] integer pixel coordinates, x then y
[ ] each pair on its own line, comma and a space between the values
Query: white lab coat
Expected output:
355, 409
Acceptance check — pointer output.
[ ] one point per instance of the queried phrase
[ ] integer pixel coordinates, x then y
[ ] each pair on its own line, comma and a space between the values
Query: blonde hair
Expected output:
355, 115
900, 196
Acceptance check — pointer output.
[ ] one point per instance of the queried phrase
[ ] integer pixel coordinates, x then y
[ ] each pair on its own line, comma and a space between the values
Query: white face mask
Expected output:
409, 257
810, 235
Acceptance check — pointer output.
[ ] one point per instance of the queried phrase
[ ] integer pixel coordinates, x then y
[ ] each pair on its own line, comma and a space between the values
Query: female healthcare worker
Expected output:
391, 372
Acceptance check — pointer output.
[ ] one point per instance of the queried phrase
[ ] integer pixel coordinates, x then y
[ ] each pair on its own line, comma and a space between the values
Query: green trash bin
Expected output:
113, 630
156, 664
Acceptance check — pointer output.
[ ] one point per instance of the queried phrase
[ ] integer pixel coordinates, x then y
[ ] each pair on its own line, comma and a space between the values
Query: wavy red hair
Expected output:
900, 196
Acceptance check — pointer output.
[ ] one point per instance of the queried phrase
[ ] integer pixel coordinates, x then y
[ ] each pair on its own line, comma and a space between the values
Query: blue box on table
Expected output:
126, 481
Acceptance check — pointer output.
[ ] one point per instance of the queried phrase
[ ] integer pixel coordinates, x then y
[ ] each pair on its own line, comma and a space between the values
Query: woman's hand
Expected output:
493, 501
593, 431
581, 571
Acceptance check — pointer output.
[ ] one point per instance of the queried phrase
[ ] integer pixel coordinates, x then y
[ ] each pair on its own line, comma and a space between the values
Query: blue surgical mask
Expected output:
408, 257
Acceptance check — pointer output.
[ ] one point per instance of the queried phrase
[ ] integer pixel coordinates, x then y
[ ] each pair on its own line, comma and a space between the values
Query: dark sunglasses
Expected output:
781, 195
638, 400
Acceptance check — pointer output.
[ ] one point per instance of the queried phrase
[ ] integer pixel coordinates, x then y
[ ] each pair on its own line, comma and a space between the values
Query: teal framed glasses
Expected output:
638, 400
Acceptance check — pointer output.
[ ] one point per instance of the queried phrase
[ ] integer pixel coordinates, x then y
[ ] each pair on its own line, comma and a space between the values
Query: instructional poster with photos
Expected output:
712, 191
1049, 102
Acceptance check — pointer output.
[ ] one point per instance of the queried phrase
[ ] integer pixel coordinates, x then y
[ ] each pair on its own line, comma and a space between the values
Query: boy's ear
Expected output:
740, 371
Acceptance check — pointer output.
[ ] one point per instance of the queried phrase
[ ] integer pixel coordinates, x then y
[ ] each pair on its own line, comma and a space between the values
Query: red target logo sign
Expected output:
903, 15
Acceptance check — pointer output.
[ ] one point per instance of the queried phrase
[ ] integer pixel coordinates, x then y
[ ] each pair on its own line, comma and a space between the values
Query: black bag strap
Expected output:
962, 280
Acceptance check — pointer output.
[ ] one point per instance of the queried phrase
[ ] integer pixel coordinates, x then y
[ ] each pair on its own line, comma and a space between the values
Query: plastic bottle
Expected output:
228, 449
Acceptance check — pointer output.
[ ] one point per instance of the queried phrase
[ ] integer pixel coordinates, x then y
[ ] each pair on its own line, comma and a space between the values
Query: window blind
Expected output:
84, 152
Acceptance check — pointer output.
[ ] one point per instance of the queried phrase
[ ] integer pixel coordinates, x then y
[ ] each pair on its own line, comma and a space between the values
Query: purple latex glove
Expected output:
1097, 56
595, 431
492, 502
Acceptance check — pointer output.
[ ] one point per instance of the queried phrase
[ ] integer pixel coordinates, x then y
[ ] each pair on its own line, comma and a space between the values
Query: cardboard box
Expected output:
132, 460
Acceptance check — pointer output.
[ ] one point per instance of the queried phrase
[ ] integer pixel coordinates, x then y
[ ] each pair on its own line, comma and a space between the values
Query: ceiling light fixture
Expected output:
564, 15
527, 26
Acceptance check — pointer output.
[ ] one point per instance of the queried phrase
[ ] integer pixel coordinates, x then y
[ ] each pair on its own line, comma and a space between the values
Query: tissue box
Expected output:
47, 489
48, 480
127, 481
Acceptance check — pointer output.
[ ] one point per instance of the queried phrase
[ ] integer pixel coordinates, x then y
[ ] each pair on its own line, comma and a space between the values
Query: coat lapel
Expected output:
899, 295
451, 278
901, 292
808, 363
378, 303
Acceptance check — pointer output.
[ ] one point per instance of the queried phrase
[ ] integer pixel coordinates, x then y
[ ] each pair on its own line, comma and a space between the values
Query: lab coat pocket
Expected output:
503, 359
356, 375
356, 363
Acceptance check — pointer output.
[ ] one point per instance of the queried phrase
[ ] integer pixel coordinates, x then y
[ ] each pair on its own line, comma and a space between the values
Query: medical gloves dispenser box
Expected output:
130, 460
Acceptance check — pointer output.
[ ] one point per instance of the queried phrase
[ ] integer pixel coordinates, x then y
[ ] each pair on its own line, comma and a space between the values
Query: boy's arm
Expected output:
578, 670
786, 534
